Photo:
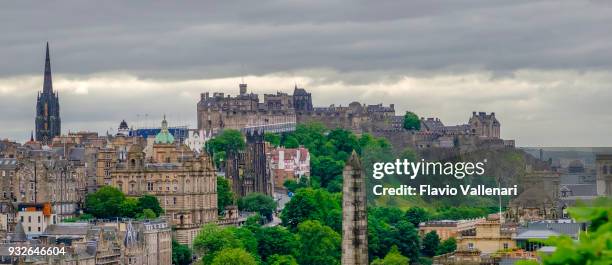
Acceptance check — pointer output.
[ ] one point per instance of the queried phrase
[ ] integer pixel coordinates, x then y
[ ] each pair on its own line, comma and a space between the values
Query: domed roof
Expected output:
164, 136
123, 125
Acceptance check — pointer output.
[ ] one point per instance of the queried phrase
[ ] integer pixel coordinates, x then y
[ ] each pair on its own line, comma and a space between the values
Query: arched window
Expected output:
133, 162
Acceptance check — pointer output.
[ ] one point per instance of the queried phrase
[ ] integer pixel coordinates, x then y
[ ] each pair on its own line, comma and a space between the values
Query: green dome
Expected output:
164, 136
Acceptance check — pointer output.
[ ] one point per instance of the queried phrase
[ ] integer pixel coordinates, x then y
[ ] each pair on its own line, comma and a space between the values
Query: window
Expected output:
39, 229
29, 219
39, 219
29, 229
22, 219
174, 200
471, 246
150, 186
505, 245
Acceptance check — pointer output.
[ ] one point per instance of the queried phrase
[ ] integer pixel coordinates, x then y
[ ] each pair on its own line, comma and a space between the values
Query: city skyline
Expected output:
546, 89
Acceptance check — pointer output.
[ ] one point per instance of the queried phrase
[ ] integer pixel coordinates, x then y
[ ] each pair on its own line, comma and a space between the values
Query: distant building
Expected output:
35, 217
196, 139
485, 125
448, 228
48, 121
288, 164
184, 183
486, 237
604, 174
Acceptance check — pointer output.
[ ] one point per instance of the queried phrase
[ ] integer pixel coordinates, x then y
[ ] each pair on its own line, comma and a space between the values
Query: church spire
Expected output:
47, 85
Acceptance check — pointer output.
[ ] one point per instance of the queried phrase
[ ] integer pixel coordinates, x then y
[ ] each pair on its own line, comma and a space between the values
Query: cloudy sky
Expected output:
544, 68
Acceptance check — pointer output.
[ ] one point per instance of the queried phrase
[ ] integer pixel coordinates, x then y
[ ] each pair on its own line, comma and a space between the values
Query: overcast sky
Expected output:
544, 68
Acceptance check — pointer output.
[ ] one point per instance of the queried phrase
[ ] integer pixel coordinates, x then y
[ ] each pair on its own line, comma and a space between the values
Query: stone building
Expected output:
354, 214
47, 178
448, 228
486, 237
184, 183
485, 125
604, 174
288, 164
48, 122
219, 112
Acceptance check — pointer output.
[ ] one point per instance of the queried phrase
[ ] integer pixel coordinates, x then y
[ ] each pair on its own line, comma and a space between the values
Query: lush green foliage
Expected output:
387, 227
282, 260
292, 185
225, 196
447, 246
258, 202
319, 244
313, 204
228, 141
431, 243
272, 138
276, 241
212, 239
181, 254
150, 202
233, 256
394, 257
109, 202
416, 215
411, 121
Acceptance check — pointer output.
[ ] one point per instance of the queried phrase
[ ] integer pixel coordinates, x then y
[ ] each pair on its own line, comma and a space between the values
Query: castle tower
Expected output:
48, 122
354, 215
604, 174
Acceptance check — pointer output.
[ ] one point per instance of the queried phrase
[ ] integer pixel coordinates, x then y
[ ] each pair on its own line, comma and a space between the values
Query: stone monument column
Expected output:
354, 215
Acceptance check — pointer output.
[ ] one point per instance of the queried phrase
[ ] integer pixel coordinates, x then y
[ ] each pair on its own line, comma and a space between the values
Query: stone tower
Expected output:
48, 122
354, 215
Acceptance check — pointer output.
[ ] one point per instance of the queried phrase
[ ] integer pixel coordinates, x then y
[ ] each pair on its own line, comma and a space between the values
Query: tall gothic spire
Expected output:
47, 85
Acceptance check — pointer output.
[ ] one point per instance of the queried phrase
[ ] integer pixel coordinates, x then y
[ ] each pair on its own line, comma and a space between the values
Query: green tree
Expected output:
319, 244
246, 238
150, 202
225, 196
212, 239
272, 138
229, 141
258, 202
129, 208
181, 254
313, 204
282, 260
447, 246
146, 214
275, 240
394, 257
291, 142
292, 185
105, 202
411, 121
416, 215
233, 256
407, 238
431, 242
326, 169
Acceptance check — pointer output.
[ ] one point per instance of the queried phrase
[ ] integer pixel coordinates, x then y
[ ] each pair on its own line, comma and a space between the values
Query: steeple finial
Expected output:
48, 84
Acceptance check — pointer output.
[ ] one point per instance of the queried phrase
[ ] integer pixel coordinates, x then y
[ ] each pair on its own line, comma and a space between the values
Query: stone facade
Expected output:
184, 183
218, 112
486, 237
604, 174
354, 214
